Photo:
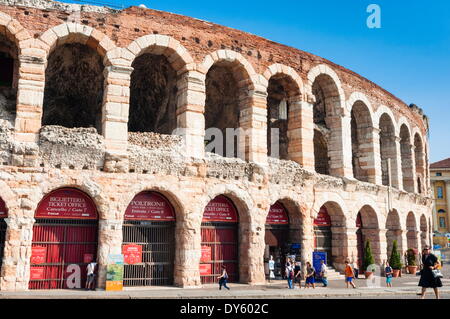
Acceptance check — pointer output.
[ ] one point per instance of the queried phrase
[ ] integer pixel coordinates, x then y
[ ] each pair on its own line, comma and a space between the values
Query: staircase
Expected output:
333, 274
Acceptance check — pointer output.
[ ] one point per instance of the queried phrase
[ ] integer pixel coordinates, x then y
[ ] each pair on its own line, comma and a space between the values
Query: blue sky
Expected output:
409, 56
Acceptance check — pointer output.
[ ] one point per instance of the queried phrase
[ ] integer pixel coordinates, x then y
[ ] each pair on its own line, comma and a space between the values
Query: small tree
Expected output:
368, 257
395, 261
411, 255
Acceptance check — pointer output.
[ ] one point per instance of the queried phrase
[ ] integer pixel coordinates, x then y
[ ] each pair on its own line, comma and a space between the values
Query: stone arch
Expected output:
244, 205
284, 94
406, 158
328, 111
394, 232
14, 31
159, 65
412, 231
229, 85
362, 137
419, 156
77, 56
388, 150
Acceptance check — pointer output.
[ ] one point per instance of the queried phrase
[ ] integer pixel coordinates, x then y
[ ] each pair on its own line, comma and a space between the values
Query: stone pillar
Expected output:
251, 250
116, 108
187, 253
15, 273
30, 98
301, 133
340, 146
414, 186
352, 245
190, 112
253, 122
374, 236
109, 242
375, 171
307, 243
407, 160
340, 243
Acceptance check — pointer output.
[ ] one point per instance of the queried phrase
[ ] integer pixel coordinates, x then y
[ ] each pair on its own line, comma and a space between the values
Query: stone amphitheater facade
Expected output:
112, 164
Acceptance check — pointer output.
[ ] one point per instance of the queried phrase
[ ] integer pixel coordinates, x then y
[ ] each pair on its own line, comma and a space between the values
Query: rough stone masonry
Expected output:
73, 120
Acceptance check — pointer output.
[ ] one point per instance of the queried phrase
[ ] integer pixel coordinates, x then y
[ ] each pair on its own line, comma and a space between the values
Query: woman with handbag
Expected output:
430, 276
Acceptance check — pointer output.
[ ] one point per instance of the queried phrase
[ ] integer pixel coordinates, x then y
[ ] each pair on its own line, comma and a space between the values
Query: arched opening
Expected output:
411, 234
330, 236
64, 240
406, 155
3, 228
277, 239
361, 134
74, 82
153, 95
220, 240
368, 230
279, 120
393, 231
9, 66
326, 102
149, 241
388, 151
423, 231
226, 93
419, 159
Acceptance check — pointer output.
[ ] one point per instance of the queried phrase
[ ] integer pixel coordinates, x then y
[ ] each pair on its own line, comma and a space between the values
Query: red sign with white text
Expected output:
67, 203
87, 258
277, 215
206, 254
150, 206
38, 255
220, 209
3, 209
132, 254
37, 273
323, 218
205, 269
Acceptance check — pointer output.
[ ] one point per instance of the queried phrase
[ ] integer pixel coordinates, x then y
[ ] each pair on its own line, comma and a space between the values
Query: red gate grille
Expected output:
158, 250
67, 242
2, 239
223, 240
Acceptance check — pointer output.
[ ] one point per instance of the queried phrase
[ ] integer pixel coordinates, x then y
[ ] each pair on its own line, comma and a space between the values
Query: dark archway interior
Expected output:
74, 87
277, 118
406, 156
321, 153
222, 102
360, 134
153, 95
418, 154
387, 147
9, 65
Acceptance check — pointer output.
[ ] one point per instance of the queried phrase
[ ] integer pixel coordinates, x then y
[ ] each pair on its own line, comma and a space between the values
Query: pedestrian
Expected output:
430, 276
223, 278
298, 274
310, 274
323, 273
389, 272
349, 274
271, 268
289, 274
355, 269
90, 279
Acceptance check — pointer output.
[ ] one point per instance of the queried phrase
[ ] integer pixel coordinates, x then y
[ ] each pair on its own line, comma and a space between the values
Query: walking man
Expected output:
349, 274
323, 273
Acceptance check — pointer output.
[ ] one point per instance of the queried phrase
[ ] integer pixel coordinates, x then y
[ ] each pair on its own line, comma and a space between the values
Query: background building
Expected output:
440, 182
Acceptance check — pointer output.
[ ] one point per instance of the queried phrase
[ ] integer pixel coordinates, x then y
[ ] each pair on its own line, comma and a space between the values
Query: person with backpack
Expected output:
310, 274
223, 278
298, 274
289, 274
323, 273
389, 272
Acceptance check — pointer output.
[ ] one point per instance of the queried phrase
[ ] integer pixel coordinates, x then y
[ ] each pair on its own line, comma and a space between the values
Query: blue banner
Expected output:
318, 256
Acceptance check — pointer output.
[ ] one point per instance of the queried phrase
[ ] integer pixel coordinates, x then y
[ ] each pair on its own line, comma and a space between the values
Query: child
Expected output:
389, 272
349, 275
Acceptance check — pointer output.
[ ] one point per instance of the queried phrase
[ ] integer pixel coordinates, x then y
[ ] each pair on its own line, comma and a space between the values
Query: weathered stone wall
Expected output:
115, 166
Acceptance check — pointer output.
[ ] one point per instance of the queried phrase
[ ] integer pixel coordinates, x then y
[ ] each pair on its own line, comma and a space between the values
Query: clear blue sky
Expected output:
409, 56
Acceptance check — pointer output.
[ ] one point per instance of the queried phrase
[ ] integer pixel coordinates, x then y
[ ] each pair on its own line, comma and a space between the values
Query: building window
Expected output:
438, 174
442, 222
440, 192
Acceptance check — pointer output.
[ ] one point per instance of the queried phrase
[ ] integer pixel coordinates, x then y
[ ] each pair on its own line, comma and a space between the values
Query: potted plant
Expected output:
395, 260
368, 261
411, 257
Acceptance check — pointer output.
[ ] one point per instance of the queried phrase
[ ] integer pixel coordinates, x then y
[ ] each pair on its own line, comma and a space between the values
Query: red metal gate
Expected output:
149, 227
64, 240
61, 243
220, 244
